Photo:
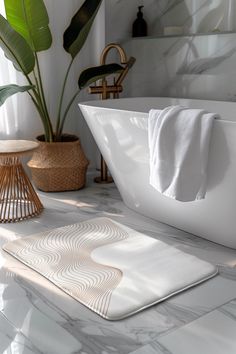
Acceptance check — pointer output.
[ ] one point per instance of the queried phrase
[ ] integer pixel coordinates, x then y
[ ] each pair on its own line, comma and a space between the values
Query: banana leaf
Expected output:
9, 90
90, 75
16, 48
30, 19
78, 30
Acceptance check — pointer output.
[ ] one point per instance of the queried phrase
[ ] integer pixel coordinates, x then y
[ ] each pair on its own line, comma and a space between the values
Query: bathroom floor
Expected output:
36, 317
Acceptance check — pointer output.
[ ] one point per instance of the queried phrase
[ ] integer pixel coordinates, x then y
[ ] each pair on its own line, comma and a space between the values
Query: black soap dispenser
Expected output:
139, 25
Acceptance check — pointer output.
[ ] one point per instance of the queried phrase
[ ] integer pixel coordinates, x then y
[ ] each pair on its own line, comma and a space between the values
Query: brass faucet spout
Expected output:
123, 58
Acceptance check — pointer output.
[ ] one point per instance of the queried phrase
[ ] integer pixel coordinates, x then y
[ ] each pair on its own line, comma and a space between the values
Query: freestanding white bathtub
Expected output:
120, 130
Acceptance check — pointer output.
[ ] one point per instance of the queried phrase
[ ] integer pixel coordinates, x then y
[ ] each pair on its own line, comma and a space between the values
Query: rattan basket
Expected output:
59, 166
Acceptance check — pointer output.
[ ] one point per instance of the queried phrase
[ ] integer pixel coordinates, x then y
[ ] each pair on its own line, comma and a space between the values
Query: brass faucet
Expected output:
123, 58
104, 89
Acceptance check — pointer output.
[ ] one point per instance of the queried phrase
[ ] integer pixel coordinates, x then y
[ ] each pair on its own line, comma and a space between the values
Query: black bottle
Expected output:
139, 25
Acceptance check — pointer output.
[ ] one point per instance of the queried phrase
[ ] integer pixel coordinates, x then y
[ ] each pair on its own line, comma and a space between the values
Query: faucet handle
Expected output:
122, 75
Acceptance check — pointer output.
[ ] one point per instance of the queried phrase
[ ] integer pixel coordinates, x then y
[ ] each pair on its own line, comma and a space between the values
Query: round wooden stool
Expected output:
18, 199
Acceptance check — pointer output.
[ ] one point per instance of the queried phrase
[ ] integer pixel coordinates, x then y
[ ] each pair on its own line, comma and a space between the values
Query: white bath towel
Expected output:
179, 139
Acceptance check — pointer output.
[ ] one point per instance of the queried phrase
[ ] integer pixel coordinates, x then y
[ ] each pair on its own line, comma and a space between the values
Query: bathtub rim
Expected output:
102, 104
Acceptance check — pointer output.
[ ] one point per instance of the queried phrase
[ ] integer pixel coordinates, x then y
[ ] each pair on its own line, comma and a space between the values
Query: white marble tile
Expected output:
153, 348
42, 313
12, 341
7, 235
229, 309
203, 298
213, 333
24, 228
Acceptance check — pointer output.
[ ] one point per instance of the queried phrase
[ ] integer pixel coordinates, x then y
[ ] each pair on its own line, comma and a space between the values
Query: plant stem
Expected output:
66, 112
39, 98
42, 97
61, 98
41, 114
39, 106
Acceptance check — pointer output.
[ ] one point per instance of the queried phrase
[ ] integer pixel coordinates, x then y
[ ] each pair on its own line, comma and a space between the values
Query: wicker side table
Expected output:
18, 199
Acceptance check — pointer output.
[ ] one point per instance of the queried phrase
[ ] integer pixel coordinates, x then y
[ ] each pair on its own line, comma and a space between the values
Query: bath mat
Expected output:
113, 270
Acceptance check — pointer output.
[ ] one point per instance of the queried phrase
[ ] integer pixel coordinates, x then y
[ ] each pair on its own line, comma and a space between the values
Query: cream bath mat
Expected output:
112, 269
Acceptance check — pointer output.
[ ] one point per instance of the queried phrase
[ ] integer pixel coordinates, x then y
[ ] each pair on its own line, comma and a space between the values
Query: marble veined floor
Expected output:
36, 317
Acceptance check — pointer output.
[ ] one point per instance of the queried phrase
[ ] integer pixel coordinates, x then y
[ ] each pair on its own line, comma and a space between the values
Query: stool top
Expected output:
16, 147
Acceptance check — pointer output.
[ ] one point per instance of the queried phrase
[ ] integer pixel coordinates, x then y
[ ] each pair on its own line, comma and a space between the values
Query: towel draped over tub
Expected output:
179, 139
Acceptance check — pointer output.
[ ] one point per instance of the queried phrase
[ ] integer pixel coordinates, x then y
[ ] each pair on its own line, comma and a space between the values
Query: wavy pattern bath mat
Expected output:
112, 269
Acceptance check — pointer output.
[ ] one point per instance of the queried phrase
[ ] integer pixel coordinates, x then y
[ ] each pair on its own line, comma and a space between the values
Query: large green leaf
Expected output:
30, 19
9, 90
90, 75
78, 30
16, 48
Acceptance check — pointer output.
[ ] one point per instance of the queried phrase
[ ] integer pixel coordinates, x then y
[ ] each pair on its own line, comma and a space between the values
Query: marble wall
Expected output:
194, 16
200, 63
192, 66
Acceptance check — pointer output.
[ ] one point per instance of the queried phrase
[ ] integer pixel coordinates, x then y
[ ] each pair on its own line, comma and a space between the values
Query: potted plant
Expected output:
23, 34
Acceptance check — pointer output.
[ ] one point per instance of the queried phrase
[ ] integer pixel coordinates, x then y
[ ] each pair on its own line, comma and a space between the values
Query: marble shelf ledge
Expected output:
161, 36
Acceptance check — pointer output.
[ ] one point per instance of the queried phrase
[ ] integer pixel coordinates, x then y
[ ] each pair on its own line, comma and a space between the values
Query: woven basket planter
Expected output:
59, 166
